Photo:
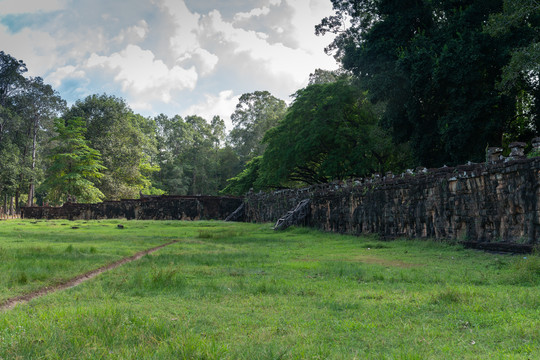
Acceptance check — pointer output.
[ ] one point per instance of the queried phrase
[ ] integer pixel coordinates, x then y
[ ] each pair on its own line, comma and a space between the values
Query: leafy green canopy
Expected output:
520, 22
74, 165
246, 180
434, 68
125, 140
255, 113
329, 132
190, 155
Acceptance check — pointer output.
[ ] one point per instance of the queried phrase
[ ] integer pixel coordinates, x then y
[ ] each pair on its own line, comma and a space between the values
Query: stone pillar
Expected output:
517, 150
494, 154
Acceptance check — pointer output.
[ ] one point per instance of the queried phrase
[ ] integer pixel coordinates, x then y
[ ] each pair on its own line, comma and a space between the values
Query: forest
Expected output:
421, 82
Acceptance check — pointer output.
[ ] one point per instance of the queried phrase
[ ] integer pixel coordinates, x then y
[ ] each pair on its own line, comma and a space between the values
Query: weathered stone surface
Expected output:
239, 214
147, 208
297, 216
495, 202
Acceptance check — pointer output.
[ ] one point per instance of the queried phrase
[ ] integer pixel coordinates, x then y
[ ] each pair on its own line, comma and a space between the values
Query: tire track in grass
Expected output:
21, 299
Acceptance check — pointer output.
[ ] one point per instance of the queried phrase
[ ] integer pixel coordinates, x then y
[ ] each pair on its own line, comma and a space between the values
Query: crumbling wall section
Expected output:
146, 208
494, 202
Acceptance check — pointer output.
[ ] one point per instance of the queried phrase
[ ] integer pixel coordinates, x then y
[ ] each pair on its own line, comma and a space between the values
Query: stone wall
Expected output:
495, 202
147, 208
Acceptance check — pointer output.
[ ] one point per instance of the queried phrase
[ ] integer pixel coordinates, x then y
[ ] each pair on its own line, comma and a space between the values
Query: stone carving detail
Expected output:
494, 154
517, 150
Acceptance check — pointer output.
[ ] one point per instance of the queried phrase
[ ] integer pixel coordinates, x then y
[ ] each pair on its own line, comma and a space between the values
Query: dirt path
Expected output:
12, 302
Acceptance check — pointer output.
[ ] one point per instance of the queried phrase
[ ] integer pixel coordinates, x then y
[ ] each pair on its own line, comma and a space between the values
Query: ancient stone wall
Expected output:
147, 208
494, 202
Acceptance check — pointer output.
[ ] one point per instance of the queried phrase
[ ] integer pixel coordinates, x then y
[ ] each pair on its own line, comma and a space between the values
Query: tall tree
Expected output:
191, 156
38, 105
75, 166
255, 113
434, 68
125, 141
174, 138
11, 79
519, 25
329, 132
11, 82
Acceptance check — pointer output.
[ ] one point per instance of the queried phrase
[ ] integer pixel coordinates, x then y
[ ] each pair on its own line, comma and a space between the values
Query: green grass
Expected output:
243, 291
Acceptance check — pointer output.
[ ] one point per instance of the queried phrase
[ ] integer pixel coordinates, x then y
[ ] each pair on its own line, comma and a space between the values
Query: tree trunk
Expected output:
17, 195
11, 208
33, 166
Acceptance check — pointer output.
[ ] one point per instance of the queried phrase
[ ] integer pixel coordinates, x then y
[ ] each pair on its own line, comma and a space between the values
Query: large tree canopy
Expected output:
520, 21
125, 140
74, 167
434, 68
329, 132
255, 113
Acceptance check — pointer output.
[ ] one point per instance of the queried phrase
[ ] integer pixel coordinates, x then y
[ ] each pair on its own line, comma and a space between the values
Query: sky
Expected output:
185, 57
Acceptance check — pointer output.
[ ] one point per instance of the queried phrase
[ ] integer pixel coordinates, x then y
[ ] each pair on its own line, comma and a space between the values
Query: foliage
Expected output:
74, 165
125, 140
329, 132
520, 21
255, 114
434, 68
190, 155
245, 180
9, 168
37, 104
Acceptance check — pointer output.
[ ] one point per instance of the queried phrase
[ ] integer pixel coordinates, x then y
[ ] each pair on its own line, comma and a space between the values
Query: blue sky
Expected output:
168, 56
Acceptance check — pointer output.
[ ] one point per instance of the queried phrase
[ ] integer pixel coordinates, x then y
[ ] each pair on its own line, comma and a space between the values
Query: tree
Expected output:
245, 180
520, 22
125, 140
74, 165
174, 138
433, 67
320, 76
329, 132
255, 113
190, 155
9, 171
11, 77
38, 104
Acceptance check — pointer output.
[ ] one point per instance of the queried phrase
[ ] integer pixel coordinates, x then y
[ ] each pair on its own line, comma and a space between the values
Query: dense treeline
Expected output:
422, 82
99, 149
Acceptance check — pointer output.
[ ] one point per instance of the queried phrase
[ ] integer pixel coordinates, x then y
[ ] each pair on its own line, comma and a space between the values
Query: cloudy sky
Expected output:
168, 56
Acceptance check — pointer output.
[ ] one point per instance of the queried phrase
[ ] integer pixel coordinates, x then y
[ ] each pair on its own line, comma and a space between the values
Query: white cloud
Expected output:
253, 13
163, 57
36, 48
143, 76
63, 73
208, 61
276, 59
134, 33
184, 39
184, 43
14, 7
223, 105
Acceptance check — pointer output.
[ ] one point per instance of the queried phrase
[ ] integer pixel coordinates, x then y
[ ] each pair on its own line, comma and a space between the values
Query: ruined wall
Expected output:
495, 202
147, 208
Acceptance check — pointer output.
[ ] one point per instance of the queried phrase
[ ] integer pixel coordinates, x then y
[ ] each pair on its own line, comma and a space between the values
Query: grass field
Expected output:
243, 291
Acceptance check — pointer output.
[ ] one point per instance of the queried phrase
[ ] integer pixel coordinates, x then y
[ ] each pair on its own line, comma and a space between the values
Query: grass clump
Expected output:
527, 270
